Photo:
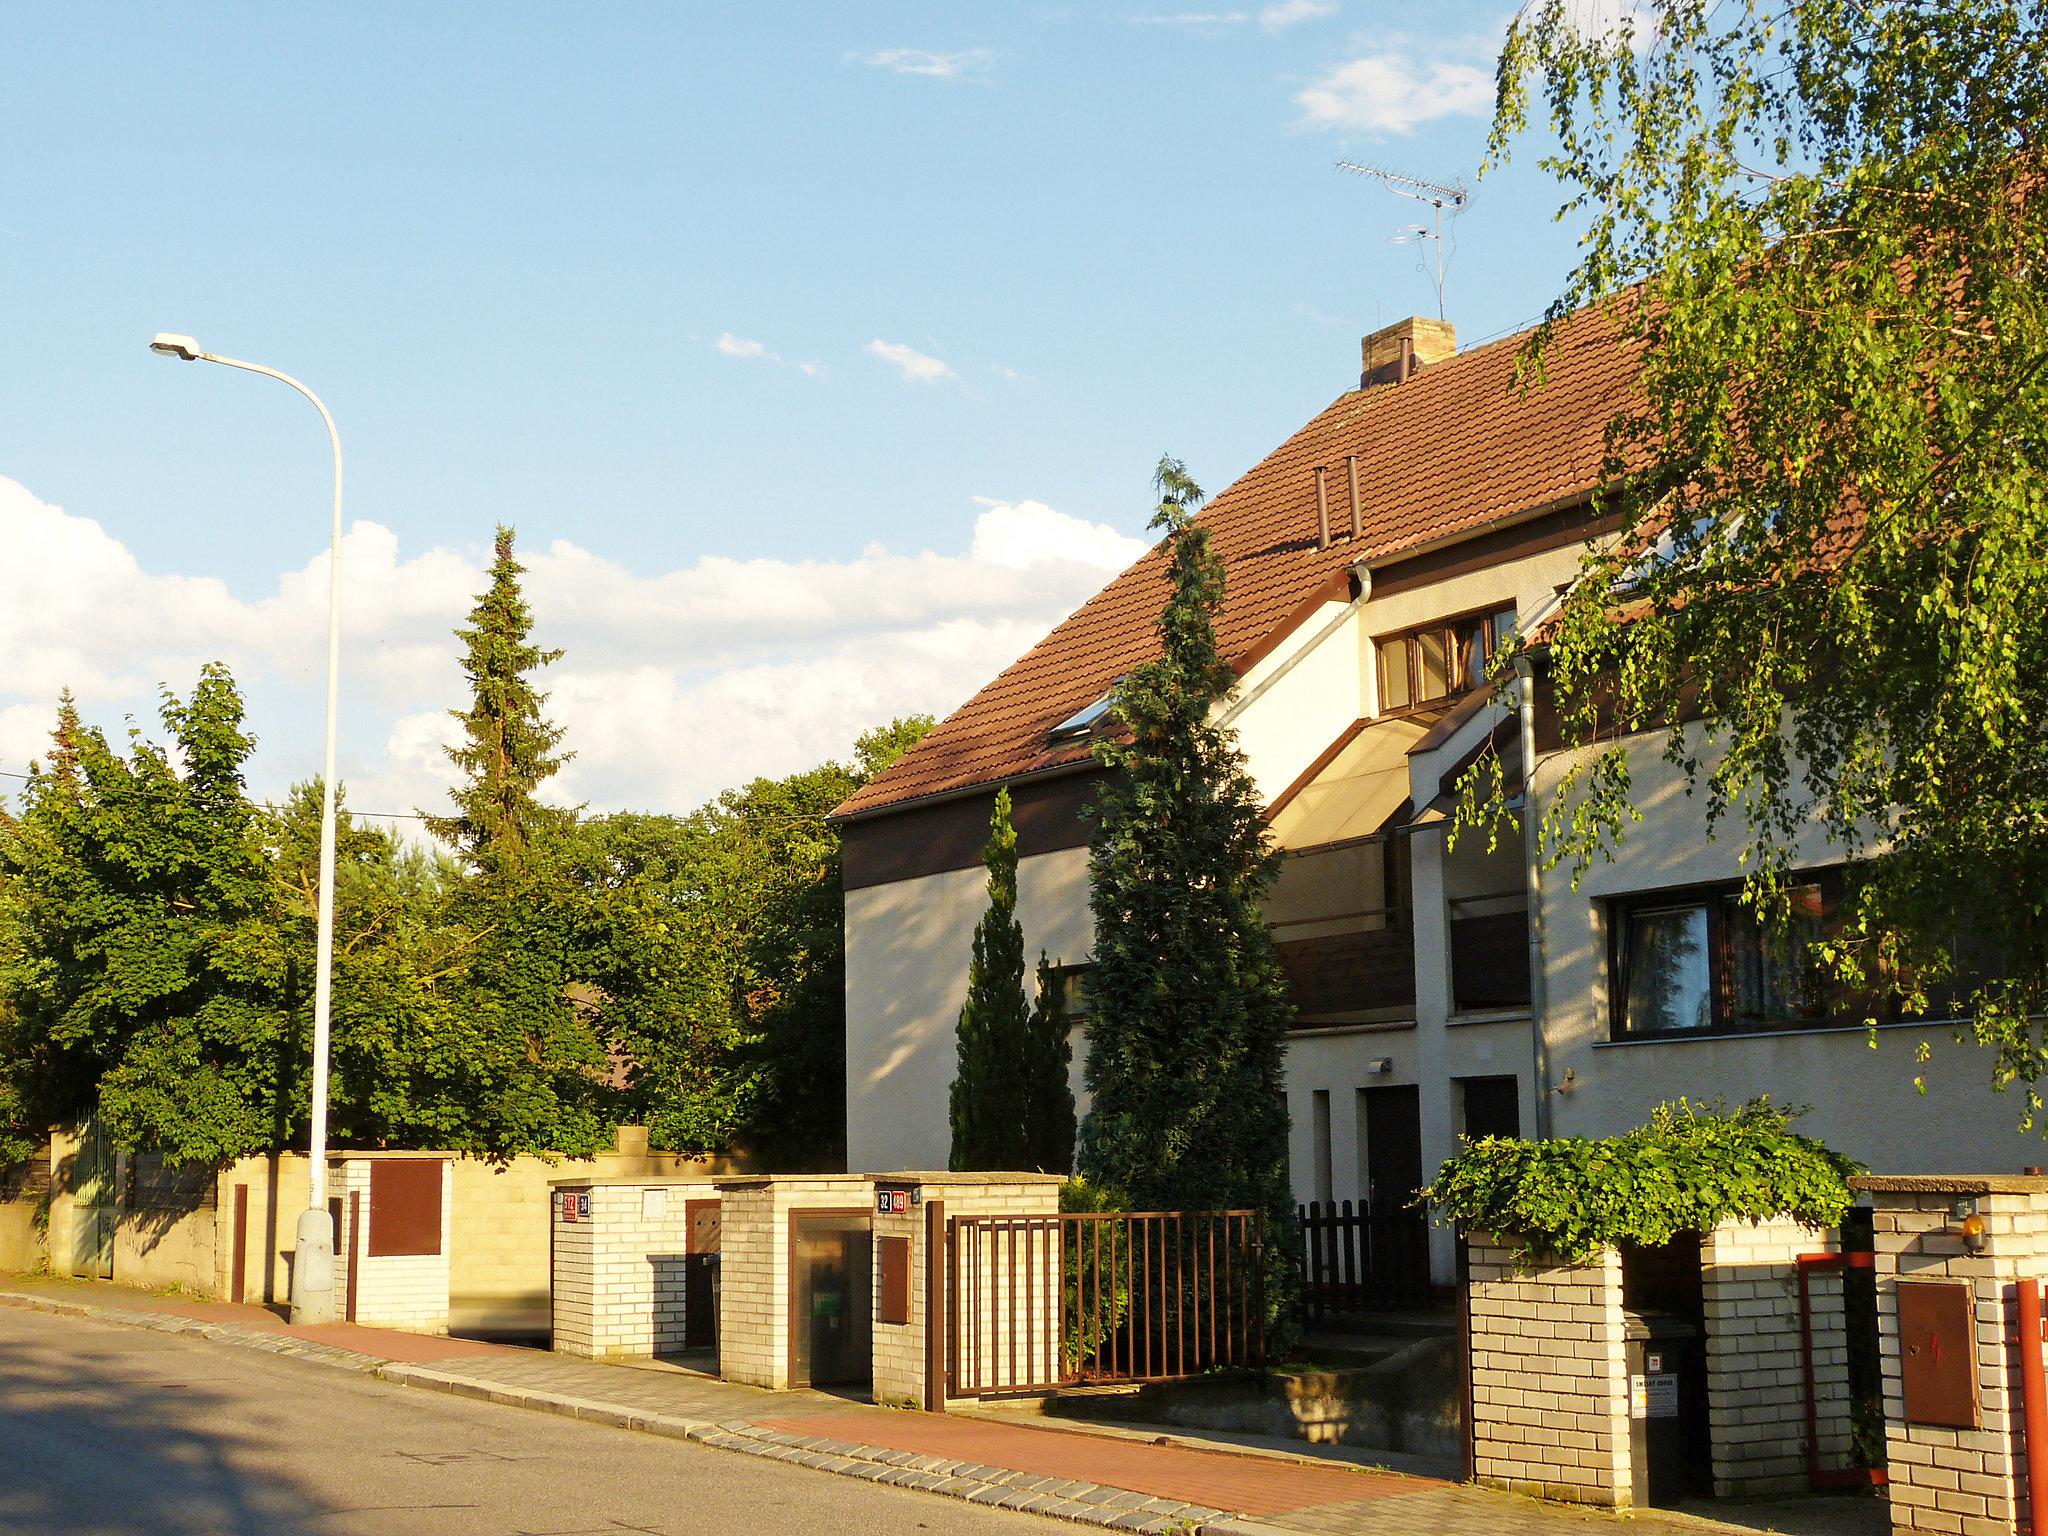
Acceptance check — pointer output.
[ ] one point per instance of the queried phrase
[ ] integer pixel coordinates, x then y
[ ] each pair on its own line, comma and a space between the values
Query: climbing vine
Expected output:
1689, 1169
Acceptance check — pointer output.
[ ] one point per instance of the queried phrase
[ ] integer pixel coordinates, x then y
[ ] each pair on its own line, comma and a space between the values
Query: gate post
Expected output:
911, 1347
936, 1312
1951, 1250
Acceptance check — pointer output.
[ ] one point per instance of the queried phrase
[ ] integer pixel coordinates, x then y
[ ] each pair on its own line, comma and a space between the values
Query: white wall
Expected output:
907, 948
1864, 1101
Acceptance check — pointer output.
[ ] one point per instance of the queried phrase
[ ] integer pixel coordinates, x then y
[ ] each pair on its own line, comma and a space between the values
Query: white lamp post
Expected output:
313, 1267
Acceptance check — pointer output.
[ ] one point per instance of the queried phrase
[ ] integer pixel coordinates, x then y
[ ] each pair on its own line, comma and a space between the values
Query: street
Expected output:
113, 1430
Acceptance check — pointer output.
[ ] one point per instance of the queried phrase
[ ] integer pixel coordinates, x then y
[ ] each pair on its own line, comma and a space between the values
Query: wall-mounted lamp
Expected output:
1964, 1222
1379, 1066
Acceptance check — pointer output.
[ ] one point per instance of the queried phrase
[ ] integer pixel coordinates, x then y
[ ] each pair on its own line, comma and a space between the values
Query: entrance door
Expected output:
92, 1204
1399, 1268
831, 1295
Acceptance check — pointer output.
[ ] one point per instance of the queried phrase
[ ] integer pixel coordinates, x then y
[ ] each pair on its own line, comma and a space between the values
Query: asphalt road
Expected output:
114, 1431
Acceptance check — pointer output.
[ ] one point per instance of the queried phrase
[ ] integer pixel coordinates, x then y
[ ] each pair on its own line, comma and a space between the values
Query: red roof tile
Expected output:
1457, 448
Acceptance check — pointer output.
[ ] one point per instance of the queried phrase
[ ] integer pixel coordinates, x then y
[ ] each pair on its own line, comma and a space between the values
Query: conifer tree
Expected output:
1045, 1076
987, 1105
508, 747
1187, 1002
537, 1075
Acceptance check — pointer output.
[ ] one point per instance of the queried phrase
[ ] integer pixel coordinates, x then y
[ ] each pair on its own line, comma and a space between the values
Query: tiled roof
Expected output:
1456, 448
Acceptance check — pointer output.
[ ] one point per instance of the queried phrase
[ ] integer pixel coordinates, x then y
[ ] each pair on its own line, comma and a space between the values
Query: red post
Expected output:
2033, 1400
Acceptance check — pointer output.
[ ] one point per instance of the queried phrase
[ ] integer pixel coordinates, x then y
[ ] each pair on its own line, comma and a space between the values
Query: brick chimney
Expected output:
1393, 352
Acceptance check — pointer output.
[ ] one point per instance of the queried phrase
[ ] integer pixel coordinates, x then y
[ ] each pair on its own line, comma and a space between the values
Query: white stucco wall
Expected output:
907, 948
1864, 1101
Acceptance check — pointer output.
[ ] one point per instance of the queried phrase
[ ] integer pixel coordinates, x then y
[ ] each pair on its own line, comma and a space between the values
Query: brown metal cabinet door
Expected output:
1938, 1353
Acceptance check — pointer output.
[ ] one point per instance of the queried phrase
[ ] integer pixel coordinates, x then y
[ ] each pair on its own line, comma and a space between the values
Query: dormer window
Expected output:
1082, 722
1440, 662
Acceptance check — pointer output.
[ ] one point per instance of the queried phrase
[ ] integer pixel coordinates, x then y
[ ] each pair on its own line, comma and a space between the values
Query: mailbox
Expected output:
1938, 1352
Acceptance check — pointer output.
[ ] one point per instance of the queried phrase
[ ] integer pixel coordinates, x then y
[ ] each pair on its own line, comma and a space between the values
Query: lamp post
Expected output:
313, 1265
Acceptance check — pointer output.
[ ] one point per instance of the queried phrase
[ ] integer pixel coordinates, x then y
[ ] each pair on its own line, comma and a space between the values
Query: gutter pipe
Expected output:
1525, 690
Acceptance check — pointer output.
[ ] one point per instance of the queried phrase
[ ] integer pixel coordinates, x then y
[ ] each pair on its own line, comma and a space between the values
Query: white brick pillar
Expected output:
1963, 1480
1030, 1246
1756, 1384
618, 1258
1549, 1376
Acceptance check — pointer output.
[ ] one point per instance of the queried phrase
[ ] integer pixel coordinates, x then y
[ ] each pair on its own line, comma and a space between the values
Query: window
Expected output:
1702, 963
1072, 984
1443, 661
1084, 721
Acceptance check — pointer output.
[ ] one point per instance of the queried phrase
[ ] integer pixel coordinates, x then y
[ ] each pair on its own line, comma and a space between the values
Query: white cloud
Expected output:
1288, 13
915, 366
968, 63
757, 351
1393, 93
1632, 23
675, 685
1194, 21
740, 346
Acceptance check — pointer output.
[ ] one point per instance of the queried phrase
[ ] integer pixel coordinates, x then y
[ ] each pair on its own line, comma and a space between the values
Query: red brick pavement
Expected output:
1251, 1485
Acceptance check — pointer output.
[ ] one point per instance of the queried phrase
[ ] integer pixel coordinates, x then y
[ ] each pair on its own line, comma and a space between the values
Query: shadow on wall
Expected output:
117, 1452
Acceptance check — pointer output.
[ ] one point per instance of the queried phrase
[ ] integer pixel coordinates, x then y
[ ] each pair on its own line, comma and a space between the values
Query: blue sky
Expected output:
819, 354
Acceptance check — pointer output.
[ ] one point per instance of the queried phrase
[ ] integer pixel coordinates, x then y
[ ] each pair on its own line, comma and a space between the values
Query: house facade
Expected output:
1373, 562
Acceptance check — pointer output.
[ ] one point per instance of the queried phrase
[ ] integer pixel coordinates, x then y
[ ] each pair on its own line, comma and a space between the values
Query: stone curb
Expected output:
1081, 1503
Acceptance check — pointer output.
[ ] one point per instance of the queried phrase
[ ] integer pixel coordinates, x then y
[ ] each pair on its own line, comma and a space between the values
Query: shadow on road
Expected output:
105, 1440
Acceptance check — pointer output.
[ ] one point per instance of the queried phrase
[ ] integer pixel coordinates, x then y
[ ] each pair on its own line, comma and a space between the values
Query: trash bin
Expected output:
1667, 1409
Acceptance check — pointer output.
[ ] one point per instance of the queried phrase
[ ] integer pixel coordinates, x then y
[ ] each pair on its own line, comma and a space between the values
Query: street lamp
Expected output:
313, 1267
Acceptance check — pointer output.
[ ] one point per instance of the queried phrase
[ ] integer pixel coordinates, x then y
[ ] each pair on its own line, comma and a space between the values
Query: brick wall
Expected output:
899, 1349
404, 1291
618, 1275
1756, 1385
753, 1303
1549, 1377
1965, 1482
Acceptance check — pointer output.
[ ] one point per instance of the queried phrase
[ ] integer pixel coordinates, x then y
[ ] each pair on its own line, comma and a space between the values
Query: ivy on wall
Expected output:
1689, 1169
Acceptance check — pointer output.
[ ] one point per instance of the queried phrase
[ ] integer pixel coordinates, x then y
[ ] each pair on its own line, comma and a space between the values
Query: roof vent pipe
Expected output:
1357, 512
1322, 507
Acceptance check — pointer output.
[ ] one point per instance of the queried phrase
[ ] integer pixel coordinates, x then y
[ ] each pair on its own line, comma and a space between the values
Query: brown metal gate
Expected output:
1040, 1302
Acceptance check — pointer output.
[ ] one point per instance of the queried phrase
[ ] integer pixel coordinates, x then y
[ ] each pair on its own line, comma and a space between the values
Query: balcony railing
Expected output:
1365, 972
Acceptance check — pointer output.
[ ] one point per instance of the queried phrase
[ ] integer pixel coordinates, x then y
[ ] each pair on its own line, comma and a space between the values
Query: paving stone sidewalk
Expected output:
1114, 1480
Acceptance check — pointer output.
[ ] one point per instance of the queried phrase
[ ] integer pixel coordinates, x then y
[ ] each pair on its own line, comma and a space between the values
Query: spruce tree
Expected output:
1046, 1078
508, 746
987, 1106
536, 1074
1188, 1005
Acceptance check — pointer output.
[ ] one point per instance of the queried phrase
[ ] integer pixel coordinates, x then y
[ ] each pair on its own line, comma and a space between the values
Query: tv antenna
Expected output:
1439, 197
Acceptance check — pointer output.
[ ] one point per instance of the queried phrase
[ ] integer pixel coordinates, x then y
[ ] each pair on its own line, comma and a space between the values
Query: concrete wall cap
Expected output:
1951, 1184
934, 1177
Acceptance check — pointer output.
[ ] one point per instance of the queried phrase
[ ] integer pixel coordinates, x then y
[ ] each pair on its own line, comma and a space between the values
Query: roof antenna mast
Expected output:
1439, 197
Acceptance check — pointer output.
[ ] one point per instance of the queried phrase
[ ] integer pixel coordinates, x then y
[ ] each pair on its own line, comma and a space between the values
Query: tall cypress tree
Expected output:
987, 1107
1046, 1077
508, 746
1188, 1005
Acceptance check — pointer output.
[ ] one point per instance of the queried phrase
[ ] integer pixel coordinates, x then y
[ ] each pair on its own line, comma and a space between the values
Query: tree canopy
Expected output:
554, 977
1822, 226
